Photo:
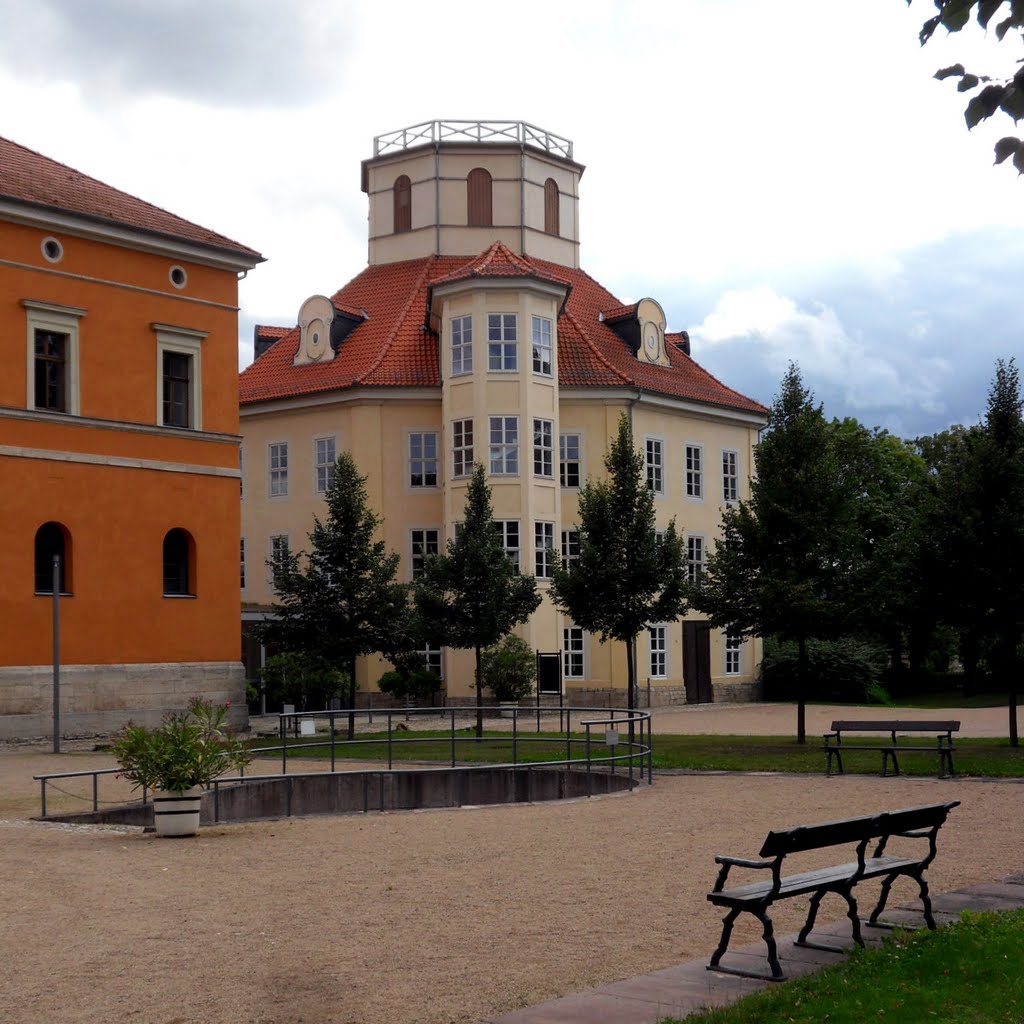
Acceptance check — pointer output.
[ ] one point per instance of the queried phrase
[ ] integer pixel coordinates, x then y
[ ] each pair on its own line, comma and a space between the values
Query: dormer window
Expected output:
478, 194
551, 207
403, 204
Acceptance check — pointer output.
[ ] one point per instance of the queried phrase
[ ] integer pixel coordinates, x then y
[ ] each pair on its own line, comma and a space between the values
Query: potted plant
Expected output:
509, 670
178, 760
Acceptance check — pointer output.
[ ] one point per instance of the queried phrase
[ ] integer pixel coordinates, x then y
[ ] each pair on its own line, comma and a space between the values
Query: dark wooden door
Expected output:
697, 662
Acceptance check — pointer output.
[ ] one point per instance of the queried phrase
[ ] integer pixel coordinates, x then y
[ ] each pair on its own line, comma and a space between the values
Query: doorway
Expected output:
697, 662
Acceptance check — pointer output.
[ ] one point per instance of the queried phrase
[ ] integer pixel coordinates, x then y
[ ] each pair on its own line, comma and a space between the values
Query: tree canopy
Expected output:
626, 576
990, 94
472, 595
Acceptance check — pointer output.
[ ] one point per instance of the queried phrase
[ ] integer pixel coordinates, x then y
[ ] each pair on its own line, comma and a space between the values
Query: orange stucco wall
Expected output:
117, 515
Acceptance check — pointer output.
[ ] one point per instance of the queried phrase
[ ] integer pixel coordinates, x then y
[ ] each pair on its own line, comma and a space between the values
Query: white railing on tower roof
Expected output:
519, 132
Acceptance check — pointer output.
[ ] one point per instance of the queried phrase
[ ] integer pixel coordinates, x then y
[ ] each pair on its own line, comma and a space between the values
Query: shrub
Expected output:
509, 669
419, 684
847, 669
304, 680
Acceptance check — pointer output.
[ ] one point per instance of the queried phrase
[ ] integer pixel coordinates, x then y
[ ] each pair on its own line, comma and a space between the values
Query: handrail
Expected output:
519, 132
634, 751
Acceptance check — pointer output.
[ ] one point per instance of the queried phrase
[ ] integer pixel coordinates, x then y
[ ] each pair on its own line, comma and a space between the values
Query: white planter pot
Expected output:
506, 708
176, 814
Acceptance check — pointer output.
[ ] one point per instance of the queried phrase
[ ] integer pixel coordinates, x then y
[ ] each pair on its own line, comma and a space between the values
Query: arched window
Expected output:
179, 563
478, 189
52, 539
551, 207
403, 204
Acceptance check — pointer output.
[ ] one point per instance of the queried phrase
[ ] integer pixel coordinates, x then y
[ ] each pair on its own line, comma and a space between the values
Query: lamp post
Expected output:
56, 654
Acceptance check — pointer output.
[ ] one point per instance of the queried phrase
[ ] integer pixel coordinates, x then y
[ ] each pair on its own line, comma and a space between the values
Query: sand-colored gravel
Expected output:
431, 916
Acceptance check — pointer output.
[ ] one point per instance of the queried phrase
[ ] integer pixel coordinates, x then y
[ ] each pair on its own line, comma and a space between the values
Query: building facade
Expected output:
473, 335
118, 453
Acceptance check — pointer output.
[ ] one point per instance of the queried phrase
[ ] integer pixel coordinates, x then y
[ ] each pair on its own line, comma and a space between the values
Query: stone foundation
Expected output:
97, 700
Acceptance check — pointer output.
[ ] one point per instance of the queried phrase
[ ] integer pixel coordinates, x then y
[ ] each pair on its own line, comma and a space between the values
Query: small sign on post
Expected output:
611, 737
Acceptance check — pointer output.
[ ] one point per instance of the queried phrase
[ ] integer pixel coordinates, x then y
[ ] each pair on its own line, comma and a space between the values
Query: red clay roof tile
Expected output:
396, 348
29, 177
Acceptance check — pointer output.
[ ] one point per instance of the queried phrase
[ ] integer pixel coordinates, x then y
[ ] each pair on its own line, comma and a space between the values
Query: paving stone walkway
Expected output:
689, 988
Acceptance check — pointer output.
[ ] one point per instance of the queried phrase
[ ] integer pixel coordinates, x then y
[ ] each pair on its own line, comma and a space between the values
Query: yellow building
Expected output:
118, 452
474, 336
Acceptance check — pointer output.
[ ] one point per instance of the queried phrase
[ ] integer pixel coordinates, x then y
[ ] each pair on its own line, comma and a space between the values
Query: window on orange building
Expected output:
178, 563
52, 540
51, 358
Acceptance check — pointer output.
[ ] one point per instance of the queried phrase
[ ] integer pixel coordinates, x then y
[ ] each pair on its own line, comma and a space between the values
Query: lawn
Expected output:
966, 973
993, 758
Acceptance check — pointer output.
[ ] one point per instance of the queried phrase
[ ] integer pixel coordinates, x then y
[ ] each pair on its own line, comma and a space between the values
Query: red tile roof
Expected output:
267, 331
396, 348
29, 177
619, 312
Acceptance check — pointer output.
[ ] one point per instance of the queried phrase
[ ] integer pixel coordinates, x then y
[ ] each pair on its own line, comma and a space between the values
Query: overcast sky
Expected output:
787, 179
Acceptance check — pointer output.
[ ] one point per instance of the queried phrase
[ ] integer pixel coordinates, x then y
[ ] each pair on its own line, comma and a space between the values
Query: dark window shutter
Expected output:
479, 194
551, 207
403, 204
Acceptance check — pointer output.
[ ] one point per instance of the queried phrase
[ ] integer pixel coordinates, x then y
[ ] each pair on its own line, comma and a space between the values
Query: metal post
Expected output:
56, 654
586, 725
515, 734
390, 746
453, 737
95, 792
284, 745
333, 738
42, 795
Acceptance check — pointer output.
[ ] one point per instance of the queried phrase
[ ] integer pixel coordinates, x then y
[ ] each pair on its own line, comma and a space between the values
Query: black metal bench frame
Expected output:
756, 897
834, 749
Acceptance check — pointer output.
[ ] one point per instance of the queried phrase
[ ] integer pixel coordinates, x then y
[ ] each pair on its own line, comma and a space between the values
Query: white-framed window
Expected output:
658, 636
179, 377
694, 471
542, 346
569, 460
462, 345
572, 652
462, 447
504, 445
543, 549
277, 475
52, 360
570, 547
694, 557
543, 449
656, 465
423, 459
241, 563
502, 343
508, 531
433, 660
279, 548
424, 542
733, 654
324, 457
730, 476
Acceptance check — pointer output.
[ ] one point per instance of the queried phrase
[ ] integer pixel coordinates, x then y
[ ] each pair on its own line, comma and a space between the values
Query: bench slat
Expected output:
896, 726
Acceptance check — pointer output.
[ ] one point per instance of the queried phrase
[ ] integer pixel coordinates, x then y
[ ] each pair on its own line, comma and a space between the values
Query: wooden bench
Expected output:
916, 823
943, 745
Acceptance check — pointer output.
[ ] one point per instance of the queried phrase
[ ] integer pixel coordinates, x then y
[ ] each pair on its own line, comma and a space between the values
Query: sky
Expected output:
786, 179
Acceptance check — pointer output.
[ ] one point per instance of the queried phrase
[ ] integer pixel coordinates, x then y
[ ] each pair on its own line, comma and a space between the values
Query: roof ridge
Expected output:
399, 321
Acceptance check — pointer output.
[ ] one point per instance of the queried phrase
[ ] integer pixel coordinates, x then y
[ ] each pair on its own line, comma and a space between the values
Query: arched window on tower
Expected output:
179, 563
551, 207
478, 189
403, 204
52, 539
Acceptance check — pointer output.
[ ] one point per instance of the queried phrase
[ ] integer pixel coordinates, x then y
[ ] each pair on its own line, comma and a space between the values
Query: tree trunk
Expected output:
630, 683
801, 690
351, 698
479, 697
1014, 742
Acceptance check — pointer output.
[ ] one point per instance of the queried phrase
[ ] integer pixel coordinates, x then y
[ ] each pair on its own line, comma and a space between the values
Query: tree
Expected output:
339, 601
626, 577
784, 565
992, 95
472, 595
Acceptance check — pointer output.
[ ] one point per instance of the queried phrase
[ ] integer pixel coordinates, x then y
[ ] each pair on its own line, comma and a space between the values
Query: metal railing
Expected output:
626, 734
519, 132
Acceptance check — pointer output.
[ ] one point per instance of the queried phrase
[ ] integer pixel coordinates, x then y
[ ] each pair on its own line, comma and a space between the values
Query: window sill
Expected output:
49, 593
180, 597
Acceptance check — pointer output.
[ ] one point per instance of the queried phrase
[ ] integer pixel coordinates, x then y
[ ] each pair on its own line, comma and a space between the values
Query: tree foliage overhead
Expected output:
472, 595
990, 95
626, 577
340, 600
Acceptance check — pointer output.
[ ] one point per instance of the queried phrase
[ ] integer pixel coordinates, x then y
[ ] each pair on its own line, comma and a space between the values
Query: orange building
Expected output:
119, 452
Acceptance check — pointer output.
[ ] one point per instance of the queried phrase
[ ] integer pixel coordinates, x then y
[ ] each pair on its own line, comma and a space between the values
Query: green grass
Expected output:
993, 758
951, 699
966, 973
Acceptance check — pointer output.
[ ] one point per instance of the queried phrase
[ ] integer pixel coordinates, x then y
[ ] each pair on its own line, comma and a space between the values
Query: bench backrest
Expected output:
854, 830
918, 726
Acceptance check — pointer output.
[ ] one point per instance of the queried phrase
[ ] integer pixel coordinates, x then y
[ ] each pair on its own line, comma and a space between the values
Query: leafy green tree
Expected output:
339, 601
626, 577
990, 95
509, 669
787, 557
302, 679
472, 595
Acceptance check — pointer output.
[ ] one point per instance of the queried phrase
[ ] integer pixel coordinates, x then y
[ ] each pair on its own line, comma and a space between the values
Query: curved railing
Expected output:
618, 740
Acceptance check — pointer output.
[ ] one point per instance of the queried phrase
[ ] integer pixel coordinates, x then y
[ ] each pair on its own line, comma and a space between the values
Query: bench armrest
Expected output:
741, 862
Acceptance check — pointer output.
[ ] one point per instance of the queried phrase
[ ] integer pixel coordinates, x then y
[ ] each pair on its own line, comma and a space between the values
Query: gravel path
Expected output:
434, 916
